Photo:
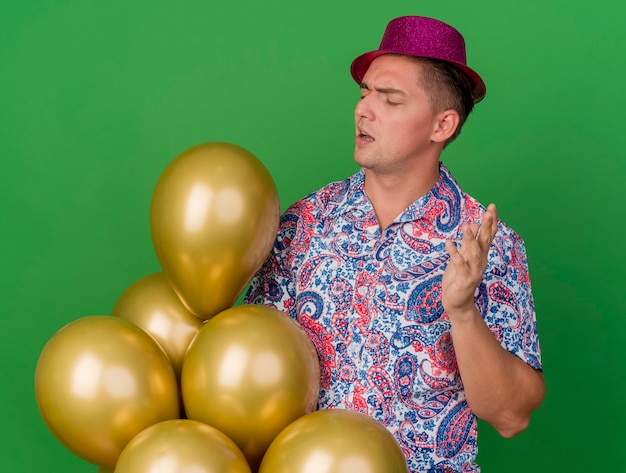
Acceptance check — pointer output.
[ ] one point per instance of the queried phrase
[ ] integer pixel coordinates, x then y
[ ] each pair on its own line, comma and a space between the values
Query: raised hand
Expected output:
467, 264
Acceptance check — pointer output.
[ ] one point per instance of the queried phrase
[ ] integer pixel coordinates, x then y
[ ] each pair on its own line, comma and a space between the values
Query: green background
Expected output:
96, 98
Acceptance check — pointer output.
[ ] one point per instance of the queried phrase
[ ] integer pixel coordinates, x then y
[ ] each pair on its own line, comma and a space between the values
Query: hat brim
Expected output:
362, 63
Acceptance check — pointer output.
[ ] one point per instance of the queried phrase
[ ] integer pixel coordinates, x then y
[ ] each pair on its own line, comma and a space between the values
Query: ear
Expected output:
445, 125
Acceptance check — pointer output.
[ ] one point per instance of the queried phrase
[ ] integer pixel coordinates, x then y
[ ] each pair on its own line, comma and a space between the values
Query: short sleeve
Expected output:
505, 298
273, 284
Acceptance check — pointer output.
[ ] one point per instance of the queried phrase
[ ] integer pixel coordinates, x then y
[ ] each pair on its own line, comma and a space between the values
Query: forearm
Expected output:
500, 388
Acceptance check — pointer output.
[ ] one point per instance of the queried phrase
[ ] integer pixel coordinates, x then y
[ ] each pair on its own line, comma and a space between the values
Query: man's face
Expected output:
394, 118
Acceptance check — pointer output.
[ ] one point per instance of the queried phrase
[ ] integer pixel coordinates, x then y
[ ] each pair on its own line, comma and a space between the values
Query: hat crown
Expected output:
426, 37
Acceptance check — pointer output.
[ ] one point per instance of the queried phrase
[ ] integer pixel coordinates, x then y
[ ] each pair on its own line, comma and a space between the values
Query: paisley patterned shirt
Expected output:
371, 303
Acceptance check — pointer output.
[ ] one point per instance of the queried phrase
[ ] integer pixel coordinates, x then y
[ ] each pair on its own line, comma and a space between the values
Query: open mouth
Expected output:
364, 136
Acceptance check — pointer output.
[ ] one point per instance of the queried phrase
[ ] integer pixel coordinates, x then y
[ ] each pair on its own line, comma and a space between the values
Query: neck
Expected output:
391, 194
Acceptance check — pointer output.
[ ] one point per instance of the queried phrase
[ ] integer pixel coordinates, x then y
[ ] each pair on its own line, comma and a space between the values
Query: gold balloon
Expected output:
151, 304
176, 446
101, 380
250, 371
334, 441
213, 218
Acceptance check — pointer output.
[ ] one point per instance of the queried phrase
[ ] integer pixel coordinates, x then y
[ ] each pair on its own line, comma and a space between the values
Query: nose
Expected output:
364, 108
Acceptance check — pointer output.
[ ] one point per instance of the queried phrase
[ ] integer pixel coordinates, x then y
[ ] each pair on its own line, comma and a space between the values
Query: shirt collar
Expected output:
441, 201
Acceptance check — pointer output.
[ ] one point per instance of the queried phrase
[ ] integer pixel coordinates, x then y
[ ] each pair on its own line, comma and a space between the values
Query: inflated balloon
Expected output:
213, 218
250, 371
334, 441
176, 446
101, 380
151, 304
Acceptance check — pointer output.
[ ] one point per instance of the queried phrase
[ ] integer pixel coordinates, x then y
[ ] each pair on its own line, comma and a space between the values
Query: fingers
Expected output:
467, 263
476, 238
455, 256
488, 226
470, 244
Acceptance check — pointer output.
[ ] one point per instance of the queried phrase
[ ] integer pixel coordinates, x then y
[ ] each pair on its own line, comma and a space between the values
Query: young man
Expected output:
417, 298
